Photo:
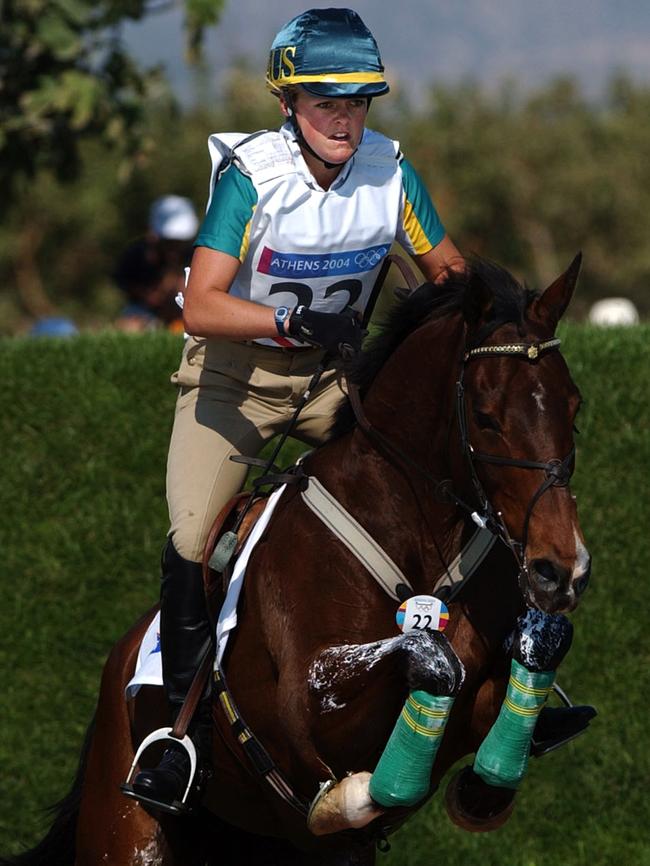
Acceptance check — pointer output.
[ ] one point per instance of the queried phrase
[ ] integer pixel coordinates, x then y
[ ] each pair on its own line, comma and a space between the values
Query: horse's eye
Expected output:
486, 422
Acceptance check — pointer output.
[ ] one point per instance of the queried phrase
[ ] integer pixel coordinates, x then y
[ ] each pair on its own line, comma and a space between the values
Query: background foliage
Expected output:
527, 179
85, 427
66, 77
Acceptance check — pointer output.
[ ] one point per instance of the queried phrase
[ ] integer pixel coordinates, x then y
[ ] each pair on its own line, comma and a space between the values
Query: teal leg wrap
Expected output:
403, 775
502, 758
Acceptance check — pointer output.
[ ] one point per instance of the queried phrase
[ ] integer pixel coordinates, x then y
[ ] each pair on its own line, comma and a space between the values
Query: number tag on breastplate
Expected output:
422, 611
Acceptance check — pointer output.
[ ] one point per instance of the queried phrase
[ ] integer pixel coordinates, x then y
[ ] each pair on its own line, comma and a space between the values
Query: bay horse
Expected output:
467, 405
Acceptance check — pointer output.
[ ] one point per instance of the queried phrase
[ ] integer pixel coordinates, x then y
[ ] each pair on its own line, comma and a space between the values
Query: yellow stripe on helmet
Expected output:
284, 80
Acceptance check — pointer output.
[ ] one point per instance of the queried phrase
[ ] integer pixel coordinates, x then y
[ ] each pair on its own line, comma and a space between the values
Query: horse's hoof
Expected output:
343, 805
474, 805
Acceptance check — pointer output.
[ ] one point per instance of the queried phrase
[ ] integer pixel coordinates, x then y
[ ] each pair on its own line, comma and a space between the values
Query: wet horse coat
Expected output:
314, 666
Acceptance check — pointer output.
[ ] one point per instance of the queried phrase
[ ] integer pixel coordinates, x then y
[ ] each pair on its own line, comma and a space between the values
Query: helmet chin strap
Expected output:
303, 141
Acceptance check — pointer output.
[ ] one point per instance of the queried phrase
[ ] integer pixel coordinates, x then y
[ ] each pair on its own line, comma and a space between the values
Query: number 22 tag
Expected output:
422, 611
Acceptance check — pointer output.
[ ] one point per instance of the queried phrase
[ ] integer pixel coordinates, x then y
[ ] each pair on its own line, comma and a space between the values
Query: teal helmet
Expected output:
329, 52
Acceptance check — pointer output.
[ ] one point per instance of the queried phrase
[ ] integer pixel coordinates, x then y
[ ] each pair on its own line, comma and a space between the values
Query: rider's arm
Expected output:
221, 247
422, 233
209, 311
435, 263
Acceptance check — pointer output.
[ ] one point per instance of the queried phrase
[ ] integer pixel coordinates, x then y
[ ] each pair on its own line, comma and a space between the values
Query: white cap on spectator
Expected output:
614, 311
173, 218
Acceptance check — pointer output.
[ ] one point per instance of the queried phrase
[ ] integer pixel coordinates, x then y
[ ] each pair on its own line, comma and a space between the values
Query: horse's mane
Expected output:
458, 293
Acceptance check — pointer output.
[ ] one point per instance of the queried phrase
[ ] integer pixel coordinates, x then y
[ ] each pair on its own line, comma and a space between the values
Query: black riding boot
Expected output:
185, 636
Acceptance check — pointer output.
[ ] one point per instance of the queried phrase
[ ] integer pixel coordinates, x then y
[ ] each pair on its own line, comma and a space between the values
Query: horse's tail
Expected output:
58, 845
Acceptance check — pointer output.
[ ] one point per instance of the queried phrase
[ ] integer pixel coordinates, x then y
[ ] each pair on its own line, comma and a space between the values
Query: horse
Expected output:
464, 413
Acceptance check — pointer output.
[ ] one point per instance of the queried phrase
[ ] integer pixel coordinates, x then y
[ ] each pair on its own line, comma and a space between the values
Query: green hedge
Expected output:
84, 429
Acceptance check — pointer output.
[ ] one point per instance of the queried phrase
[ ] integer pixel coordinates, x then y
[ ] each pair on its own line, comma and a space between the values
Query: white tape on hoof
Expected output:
343, 805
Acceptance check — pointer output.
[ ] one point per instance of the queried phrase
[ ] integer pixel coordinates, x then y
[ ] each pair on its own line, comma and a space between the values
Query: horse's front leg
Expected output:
434, 675
481, 798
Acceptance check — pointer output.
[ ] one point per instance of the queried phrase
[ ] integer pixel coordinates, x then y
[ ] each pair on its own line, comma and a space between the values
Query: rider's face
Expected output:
331, 126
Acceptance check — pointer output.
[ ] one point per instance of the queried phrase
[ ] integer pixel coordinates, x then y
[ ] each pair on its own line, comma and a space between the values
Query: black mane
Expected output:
459, 293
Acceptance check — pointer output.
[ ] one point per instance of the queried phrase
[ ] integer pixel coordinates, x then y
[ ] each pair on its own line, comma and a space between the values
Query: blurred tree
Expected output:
60, 239
530, 178
64, 75
66, 78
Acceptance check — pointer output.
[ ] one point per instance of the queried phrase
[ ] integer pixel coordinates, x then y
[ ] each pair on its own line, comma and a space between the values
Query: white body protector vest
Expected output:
320, 248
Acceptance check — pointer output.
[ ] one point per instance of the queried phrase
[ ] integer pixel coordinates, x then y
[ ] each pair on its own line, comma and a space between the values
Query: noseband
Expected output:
558, 472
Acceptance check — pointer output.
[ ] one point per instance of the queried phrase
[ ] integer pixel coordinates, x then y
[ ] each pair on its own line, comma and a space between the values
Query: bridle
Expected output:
558, 472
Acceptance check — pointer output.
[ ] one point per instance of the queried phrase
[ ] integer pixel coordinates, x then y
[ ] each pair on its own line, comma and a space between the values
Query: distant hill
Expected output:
423, 41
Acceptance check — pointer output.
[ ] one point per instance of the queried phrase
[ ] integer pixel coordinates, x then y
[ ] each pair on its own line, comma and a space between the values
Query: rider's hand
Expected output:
329, 330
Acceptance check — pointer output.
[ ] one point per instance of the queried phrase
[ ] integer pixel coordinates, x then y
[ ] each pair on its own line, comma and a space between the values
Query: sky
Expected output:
428, 41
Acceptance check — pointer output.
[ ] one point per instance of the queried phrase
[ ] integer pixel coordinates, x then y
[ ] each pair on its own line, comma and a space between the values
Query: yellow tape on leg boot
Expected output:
502, 758
402, 776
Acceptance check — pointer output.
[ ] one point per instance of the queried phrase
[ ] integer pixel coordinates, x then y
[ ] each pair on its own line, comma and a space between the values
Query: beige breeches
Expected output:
234, 397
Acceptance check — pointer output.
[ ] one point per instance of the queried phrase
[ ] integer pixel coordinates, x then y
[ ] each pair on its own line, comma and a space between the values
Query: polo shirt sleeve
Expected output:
226, 225
420, 228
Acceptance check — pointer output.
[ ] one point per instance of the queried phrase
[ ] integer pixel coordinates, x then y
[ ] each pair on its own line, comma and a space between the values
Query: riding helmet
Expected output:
329, 52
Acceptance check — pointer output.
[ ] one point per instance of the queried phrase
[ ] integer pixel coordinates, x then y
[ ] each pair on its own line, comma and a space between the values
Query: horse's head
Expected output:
517, 407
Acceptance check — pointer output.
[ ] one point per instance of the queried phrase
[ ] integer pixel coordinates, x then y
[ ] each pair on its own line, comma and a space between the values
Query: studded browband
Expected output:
532, 351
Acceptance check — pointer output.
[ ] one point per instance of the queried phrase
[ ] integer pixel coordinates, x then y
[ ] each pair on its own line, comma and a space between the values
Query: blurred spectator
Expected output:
151, 271
614, 311
53, 326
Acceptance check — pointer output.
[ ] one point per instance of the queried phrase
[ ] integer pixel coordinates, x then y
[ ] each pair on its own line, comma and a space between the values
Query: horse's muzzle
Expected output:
553, 588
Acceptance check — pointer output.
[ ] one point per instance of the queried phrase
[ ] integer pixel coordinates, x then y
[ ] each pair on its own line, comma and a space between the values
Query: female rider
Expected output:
298, 223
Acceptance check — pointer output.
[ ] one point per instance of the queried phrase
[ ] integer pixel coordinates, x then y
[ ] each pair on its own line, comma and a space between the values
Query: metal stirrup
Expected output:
157, 736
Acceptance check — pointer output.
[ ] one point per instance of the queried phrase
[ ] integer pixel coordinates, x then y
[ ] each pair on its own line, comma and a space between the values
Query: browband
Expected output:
532, 351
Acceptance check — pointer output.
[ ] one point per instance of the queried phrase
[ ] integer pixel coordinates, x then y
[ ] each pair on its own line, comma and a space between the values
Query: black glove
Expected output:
329, 330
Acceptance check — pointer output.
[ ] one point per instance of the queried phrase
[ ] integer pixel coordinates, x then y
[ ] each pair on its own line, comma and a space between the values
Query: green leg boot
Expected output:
502, 759
403, 775
540, 643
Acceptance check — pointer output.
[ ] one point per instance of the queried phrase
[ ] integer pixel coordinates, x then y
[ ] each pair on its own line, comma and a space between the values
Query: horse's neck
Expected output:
411, 404
412, 398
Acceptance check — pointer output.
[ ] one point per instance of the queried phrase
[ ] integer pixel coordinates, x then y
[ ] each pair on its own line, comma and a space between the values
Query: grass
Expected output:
84, 434
84, 430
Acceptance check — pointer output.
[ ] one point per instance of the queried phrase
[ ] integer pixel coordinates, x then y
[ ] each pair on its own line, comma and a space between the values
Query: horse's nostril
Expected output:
581, 584
546, 573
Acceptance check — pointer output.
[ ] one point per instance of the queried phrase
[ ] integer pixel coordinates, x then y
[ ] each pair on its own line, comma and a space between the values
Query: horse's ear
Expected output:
550, 306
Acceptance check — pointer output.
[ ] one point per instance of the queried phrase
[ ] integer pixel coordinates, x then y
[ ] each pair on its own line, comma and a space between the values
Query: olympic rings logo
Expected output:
368, 260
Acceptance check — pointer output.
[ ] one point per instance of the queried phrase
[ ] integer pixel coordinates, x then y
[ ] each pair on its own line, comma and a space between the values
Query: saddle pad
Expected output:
228, 613
148, 669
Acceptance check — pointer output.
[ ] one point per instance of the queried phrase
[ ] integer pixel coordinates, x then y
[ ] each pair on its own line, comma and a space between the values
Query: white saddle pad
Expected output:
148, 669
